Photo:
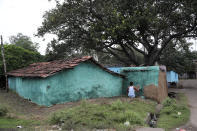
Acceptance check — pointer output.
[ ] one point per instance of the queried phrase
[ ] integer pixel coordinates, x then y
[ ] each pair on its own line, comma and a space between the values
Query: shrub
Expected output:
170, 116
3, 111
168, 110
56, 118
168, 102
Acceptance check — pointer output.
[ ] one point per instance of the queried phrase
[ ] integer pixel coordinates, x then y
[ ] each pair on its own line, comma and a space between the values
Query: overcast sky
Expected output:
24, 16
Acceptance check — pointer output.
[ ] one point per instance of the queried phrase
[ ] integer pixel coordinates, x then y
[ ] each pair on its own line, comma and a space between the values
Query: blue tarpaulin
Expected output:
172, 76
115, 69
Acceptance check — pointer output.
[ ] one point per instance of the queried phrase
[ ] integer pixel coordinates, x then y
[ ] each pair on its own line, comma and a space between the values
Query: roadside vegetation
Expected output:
9, 121
3, 111
174, 113
120, 115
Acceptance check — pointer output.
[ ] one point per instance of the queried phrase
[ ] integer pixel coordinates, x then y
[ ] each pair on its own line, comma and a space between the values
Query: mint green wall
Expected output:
140, 76
29, 88
86, 80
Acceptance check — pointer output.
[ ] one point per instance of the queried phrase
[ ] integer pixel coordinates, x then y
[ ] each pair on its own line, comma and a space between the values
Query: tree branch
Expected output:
117, 57
131, 58
135, 48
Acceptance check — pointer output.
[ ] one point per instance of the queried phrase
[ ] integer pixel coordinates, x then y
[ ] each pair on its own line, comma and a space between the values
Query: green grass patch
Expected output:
6, 122
11, 122
102, 116
174, 113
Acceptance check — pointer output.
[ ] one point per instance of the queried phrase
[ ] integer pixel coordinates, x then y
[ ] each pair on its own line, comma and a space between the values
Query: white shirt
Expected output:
131, 91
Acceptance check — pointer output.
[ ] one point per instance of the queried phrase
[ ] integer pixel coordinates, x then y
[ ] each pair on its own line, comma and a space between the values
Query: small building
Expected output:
61, 81
151, 80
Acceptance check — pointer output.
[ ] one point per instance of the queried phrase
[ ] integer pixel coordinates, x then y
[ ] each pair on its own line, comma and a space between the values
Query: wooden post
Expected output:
4, 64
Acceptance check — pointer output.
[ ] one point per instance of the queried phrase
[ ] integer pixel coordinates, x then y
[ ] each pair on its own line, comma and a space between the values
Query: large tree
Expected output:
24, 42
122, 28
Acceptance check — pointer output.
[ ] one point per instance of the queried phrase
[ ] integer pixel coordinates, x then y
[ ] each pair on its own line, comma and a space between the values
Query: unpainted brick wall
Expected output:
157, 93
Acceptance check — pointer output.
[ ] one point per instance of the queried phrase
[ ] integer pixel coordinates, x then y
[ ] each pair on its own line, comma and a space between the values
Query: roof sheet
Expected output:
146, 68
45, 69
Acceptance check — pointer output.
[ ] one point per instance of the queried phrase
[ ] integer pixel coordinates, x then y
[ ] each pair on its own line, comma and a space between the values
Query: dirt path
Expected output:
190, 89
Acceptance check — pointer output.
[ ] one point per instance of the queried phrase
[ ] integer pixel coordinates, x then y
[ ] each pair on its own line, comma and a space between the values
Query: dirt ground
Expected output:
30, 110
27, 109
190, 89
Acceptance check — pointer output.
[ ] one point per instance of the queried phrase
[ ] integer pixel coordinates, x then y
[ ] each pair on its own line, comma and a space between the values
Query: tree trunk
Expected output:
150, 59
4, 64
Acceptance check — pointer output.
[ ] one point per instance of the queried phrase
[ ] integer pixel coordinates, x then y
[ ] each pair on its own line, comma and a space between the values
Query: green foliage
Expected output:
56, 118
23, 41
168, 102
119, 28
133, 117
14, 122
174, 112
117, 105
102, 116
169, 110
3, 111
178, 57
17, 57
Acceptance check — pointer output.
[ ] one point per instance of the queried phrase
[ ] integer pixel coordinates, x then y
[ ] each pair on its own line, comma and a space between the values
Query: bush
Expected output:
170, 106
168, 110
169, 102
56, 118
174, 113
3, 111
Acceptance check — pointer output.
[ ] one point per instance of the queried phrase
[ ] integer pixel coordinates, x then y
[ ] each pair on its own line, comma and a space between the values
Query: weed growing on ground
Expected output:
174, 113
6, 121
103, 116
14, 122
168, 102
3, 111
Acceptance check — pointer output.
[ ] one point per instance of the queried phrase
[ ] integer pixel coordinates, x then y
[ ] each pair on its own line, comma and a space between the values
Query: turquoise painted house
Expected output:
49, 83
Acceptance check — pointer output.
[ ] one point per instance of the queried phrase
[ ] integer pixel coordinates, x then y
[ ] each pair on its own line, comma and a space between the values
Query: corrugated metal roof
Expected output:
45, 69
145, 68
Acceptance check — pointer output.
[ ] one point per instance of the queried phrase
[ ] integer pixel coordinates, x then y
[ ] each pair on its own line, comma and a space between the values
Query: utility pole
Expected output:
4, 64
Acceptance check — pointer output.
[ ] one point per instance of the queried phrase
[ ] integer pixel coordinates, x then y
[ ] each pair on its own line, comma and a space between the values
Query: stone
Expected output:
158, 108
